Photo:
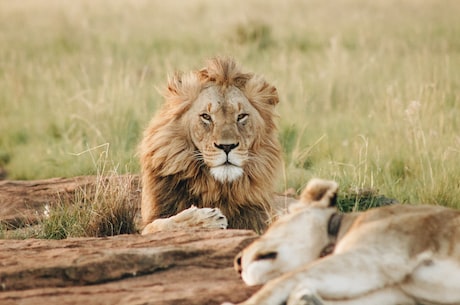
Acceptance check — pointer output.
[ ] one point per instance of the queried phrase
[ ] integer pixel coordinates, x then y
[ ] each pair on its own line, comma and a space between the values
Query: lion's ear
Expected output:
320, 193
273, 98
204, 75
257, 89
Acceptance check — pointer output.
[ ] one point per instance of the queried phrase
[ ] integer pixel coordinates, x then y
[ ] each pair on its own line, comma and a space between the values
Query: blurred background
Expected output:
369, 90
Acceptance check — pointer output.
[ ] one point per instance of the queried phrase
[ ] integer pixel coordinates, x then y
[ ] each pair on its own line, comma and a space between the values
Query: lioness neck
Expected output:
348, 220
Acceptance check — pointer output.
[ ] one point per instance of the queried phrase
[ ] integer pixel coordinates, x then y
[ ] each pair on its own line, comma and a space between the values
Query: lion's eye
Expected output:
206, 117
242, 117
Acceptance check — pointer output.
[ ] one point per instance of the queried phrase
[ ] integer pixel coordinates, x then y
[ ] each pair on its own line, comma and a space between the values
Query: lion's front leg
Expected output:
385, 296
345, 279
361, 276
193, 217
275, 292
303, 296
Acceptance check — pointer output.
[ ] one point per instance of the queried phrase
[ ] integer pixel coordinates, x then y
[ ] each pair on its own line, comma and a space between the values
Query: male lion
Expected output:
390, 255
211, 148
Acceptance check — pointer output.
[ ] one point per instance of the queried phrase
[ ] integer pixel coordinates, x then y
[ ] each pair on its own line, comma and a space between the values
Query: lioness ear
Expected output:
320, 193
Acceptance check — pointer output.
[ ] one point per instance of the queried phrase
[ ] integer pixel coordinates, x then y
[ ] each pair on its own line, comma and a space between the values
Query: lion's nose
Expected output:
226, 147
237, 263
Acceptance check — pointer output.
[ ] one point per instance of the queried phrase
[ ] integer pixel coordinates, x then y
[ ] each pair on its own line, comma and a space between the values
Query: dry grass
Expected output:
105, 209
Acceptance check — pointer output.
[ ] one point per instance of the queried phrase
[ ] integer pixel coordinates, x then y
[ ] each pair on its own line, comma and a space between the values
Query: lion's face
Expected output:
293, 240
223, 126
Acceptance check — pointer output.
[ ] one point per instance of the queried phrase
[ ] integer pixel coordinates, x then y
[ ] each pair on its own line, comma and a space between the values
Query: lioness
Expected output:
391, 255
210, 155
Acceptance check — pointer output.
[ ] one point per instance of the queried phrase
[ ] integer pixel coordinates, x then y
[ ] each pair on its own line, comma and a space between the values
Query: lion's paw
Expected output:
304, 296
193, 217
207, 218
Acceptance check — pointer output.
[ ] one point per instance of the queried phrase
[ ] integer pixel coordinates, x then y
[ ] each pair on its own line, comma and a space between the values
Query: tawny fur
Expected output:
174, 177
397, 254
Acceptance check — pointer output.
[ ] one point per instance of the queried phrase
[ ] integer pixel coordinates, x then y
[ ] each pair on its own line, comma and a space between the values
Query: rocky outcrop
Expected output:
165, 268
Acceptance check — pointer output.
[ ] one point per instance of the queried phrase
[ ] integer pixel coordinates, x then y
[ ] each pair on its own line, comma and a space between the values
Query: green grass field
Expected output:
370, 90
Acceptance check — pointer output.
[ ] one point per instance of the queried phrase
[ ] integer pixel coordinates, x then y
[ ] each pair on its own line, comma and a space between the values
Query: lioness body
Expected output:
212, 145
390, 255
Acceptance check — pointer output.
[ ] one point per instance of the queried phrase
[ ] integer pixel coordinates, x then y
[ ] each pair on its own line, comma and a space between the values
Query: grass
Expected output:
105, 210
369, 89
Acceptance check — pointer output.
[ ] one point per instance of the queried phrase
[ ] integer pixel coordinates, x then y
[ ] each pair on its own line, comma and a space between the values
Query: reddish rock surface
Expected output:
166, 268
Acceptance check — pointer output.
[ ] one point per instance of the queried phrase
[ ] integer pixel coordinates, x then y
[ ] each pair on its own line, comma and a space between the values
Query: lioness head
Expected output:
294, 239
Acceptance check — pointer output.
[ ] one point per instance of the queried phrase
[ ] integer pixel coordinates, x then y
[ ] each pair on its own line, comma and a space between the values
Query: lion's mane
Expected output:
174, 179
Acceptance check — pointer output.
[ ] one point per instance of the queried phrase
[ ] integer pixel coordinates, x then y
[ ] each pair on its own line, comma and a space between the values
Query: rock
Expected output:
165, 268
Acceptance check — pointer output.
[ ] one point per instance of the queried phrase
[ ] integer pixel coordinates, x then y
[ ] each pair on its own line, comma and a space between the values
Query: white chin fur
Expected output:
226, 173
256, 273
